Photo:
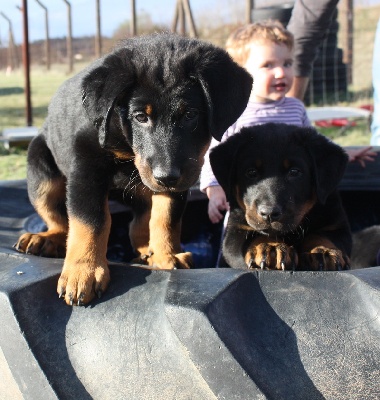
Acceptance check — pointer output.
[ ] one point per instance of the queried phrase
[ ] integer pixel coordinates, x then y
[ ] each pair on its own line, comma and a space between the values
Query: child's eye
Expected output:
288, 64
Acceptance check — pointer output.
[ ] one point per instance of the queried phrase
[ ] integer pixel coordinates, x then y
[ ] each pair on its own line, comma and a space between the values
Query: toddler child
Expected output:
265, 50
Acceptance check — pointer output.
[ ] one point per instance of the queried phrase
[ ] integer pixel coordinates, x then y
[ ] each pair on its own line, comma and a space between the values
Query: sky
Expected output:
113, 12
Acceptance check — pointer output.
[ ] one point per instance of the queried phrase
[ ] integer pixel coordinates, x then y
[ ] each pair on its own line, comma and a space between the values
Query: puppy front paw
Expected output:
322, 258
81, 281
271, 255
44, 244
166, 260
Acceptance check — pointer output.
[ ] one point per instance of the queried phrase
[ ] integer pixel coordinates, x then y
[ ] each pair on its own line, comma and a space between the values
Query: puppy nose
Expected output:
269, 213
167, 179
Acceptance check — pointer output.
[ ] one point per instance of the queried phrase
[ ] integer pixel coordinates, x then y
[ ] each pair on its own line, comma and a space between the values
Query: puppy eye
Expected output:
294, 172
251, 173
191, 114
142, 118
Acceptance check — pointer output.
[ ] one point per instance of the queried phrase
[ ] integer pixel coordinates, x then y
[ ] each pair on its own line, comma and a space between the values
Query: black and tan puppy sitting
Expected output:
134, 125
285, 211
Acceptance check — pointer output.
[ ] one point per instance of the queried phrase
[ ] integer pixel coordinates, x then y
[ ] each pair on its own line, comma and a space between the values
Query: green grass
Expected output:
358, 135
13, 165
44, 84
12, 98
13, 162
12, 110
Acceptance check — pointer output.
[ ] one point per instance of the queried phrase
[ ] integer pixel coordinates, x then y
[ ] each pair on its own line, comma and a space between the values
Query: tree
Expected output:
144, 25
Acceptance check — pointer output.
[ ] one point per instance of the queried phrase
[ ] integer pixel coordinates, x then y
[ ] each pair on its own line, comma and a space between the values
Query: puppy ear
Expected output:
226, 86
102, 86
330, 161
223, 160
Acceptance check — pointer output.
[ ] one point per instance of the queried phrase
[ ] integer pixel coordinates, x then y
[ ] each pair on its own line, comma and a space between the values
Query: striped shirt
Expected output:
288, 110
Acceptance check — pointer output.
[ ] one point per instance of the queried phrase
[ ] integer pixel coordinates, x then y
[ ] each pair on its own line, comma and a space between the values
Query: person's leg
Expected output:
375, 126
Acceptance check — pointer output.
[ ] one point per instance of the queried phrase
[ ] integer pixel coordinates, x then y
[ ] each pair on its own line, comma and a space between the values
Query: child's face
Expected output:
270, 65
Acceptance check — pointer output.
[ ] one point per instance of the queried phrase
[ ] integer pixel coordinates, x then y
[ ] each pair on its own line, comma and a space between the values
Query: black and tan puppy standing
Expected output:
138, 122
285, 211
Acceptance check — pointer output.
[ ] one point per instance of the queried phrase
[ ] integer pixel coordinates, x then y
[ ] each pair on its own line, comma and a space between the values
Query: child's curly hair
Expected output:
239, 42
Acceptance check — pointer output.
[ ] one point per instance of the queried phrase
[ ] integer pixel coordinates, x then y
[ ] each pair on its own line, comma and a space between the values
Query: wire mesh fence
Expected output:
342, 73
